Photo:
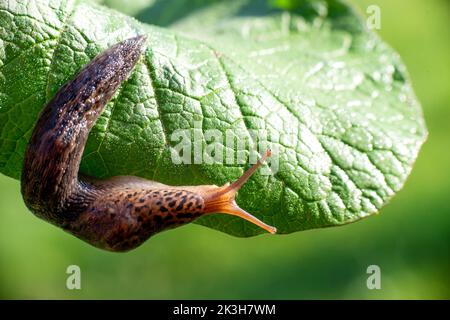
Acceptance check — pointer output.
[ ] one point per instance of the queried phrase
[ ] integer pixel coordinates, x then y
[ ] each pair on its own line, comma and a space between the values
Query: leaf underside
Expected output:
347, 125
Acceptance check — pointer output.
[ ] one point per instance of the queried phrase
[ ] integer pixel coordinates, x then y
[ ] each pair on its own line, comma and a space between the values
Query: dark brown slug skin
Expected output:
120, 213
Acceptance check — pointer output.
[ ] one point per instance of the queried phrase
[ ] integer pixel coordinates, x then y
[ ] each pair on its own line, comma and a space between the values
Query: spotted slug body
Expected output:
120, 213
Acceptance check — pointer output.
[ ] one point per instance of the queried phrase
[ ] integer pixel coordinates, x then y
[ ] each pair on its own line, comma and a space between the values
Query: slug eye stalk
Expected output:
223, 199
119, 213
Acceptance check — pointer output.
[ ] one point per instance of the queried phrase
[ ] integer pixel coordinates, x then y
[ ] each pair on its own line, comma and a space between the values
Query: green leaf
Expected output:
336, 100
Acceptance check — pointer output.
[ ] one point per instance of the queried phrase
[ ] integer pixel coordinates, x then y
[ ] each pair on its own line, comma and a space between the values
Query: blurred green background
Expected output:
409, 241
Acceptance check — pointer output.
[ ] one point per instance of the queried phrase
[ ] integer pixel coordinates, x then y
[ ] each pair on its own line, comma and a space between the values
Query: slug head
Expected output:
222, 199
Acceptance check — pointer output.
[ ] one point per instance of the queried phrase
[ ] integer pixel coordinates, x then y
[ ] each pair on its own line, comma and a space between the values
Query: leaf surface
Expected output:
335, 100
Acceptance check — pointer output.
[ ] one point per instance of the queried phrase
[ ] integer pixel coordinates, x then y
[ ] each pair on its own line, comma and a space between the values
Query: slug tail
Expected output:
223, 199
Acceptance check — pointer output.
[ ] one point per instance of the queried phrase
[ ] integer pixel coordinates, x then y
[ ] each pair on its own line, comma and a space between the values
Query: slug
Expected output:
120, 213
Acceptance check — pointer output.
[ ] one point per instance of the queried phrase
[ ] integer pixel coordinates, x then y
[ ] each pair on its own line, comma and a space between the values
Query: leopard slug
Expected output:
120, 213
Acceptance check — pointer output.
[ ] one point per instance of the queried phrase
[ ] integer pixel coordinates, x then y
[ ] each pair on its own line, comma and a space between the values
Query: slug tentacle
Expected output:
119, 213
223, 199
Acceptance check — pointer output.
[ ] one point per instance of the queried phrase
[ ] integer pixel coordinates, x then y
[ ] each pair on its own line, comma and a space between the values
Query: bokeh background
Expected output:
409, 240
